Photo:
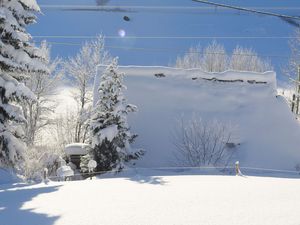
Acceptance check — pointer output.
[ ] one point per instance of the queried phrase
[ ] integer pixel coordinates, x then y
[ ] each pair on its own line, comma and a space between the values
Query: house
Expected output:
267, 131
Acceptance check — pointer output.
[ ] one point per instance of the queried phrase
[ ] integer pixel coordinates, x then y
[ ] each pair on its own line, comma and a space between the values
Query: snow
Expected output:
157, 199
32, 4
64, 171
7, 177
17, 58
76, 149
92, 164
109, 133
267, 130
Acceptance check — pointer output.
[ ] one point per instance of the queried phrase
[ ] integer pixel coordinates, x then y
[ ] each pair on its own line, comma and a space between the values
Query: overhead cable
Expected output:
248, 10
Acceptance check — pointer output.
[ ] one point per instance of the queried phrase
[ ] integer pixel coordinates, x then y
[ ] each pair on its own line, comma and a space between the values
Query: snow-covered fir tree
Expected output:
111, 136
18, 59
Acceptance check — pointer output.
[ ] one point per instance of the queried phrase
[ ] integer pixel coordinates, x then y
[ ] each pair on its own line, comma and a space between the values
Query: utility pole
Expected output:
296, 97
293, 103
298, 91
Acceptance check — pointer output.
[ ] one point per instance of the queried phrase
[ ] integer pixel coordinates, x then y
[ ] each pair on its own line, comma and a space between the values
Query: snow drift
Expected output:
267, 131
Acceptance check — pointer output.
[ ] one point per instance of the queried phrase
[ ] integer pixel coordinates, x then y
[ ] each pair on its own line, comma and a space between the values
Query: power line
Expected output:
134, 7
177, 50
248, 10
164, 50
164, 37
185, 51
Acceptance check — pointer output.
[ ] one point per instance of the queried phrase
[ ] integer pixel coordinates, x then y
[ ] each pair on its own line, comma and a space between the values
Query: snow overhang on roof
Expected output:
77, 149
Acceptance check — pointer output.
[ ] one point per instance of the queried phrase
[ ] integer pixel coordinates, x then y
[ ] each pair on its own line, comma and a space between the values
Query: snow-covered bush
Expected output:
18, 60
39, 158
84, 161
203, 143
87, 164
111, 136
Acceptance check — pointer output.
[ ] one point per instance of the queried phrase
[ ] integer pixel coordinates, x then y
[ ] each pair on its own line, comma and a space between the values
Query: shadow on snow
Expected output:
13, 197
154, 175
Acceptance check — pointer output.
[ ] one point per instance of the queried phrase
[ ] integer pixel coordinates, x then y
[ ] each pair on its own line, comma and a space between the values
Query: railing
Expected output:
203, 170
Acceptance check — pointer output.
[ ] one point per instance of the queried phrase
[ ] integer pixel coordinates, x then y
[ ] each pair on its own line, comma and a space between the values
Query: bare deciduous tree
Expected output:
214, 58
292, 68
64, 129
43, 85
244, 59
81, 70
192, 59
203, 143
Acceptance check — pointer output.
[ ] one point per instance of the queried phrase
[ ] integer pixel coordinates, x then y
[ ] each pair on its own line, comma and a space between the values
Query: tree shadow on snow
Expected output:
155, 175
271, 174
142, 179
136, 175
13, 197
150, 175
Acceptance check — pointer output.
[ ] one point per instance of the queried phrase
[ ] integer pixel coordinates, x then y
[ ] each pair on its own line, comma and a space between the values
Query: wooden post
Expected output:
90, 173
293, 103
45, 174
237, 168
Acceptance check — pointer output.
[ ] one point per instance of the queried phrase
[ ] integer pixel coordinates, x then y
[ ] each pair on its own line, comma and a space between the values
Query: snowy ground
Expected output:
164, 199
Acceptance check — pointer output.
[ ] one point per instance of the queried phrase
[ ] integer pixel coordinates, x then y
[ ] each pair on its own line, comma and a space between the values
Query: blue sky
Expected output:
167, 23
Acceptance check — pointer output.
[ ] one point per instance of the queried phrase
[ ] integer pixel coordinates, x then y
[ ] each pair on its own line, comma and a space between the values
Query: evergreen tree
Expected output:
111, 136
18, 59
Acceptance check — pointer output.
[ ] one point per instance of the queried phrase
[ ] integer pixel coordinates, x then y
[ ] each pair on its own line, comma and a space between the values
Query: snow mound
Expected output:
268, 132
64, 171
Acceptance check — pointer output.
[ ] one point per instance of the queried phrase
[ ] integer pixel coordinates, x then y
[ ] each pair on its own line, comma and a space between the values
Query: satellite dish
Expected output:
126, 18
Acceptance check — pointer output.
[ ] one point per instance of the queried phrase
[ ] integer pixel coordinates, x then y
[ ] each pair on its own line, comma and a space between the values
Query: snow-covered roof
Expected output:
77, 149
194, 74
268, 132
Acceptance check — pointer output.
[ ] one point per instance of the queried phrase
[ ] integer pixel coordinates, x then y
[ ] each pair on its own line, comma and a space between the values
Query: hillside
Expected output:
262, 120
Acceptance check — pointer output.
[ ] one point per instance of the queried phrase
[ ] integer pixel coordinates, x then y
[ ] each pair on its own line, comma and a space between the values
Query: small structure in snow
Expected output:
64, 172
75, 150
92, 166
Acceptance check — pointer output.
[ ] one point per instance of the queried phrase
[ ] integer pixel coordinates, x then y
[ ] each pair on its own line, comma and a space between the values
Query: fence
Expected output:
165, 171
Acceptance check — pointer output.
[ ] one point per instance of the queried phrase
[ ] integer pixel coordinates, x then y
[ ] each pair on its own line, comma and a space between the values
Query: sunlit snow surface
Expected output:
155, 200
